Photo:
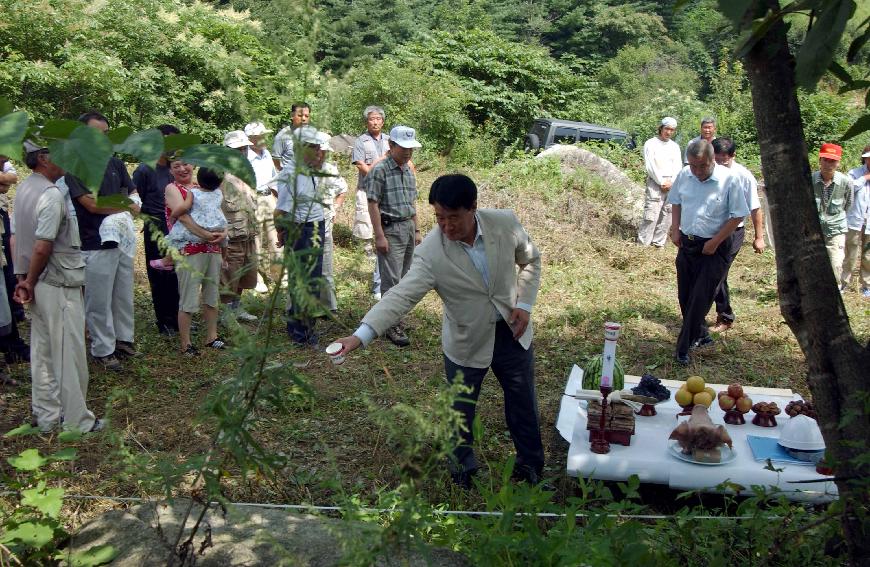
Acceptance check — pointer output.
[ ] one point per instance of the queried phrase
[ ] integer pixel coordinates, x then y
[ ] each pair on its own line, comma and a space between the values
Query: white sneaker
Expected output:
243, 315
261, 287
376, 296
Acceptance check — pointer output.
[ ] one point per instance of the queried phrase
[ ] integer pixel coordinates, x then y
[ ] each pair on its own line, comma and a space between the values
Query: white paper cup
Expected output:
332, 350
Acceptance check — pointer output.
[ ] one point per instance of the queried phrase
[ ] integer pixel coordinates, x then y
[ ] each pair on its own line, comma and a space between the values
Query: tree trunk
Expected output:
839, 367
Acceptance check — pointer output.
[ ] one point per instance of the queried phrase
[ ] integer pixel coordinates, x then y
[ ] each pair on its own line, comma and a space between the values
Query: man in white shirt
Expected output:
707, 205
300, 216
724, 150
858, 221
662, 161
267, 193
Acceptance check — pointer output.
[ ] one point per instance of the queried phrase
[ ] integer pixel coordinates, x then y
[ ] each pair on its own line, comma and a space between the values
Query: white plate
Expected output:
728, 455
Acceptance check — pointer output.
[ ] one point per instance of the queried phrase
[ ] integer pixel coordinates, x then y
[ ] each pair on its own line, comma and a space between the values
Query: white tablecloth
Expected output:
648, 456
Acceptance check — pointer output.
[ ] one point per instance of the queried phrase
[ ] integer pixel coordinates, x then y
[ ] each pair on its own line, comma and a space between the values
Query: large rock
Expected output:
144, 535
629, 210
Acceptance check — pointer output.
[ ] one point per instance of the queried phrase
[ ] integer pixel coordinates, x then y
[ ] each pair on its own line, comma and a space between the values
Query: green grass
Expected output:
334, 444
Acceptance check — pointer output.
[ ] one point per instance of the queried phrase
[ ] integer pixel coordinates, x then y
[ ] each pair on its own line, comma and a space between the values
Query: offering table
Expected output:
650, 459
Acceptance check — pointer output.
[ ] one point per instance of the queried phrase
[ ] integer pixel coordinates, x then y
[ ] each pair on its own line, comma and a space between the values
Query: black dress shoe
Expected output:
463, 479
682, 359
525, 473
702, 342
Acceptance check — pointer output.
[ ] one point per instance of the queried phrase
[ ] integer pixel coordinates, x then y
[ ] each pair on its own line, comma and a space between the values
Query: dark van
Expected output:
545, 132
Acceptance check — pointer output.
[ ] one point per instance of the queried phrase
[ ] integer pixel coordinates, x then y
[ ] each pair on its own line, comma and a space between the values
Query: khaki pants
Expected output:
656, 221
267, 237
58, 365
108, 298
327, 293
857, 246
836, 251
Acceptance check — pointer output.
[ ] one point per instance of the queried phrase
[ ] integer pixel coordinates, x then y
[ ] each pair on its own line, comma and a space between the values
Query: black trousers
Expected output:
300, 325
698, 276
514, 368
11, 341
164, 285
723, 298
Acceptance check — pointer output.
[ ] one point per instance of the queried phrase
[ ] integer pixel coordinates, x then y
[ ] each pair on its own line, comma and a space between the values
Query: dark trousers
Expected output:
698, 276
164, 285
300, 320
723, 298
10, 342
514, 368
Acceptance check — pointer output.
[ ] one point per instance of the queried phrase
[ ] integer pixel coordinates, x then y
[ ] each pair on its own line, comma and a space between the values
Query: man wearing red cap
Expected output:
832, 190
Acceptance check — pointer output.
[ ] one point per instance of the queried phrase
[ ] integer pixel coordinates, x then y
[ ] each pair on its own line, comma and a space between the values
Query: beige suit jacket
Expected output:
471, 308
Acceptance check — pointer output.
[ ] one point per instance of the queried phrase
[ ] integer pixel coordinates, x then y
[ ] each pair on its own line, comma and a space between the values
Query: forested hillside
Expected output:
469, 74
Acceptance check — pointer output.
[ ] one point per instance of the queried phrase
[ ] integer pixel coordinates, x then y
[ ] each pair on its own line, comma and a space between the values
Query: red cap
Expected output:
831, 151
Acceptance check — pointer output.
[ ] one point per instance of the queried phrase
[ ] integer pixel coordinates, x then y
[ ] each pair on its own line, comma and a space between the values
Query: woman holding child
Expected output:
200, 245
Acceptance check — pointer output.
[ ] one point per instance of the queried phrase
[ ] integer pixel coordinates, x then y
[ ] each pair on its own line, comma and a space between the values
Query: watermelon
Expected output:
592, 374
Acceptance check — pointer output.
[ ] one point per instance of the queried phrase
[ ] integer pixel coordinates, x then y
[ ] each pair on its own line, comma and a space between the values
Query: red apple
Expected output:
735, 391
726, 402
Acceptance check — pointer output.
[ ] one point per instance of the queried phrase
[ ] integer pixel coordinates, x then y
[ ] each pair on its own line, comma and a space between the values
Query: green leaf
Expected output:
59, 129
47, 500
27, 460
821, 42
853, 86
221, 158
70, 436
840, 72
859, 41
734, 10
99, 555
118, 135
146, 146
114, 202
65, 454
12, 129
860, 125
175, 142
84, 154
5, 106
33, 534
25, 429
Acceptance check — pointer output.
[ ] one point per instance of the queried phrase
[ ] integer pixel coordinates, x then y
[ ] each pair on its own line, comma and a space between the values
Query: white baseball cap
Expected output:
405, 136
237, 139
323, 139
669, 122
256, 129
307, 135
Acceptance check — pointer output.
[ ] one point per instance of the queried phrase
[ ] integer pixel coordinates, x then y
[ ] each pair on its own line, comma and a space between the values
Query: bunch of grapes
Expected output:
652, 387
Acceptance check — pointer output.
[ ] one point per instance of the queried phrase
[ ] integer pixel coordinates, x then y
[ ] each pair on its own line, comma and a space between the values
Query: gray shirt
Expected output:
282, 147
366, 150
42, 214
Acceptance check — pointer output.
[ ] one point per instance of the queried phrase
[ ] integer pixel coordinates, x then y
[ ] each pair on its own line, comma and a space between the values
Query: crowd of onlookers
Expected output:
208, 236
700, 199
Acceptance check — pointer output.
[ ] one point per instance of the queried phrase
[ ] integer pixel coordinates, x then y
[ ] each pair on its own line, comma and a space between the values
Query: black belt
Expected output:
387, 221
694, 238
264, 193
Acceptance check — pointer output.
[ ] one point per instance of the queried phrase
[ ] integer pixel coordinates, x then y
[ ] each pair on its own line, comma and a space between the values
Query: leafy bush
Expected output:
141, 62
637, 73
411, 93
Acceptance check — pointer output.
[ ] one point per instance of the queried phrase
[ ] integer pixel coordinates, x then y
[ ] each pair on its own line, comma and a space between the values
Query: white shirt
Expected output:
304, 199
264, 170
705, 206
661, 159
858, 215
749, 184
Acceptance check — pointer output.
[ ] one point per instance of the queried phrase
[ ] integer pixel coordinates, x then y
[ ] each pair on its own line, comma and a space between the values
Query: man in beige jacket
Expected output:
487, 271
